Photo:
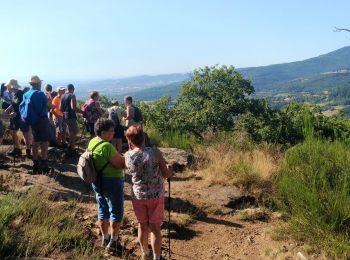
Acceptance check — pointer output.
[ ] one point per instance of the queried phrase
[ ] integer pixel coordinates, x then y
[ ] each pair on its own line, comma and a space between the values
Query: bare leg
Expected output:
156, 238
28, 138
143, 232
115, 227
15, 138
72, 138
104, 226
44, 150
36, 150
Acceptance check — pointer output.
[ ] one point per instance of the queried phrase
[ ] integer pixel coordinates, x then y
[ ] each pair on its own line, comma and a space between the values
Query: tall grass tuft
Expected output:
314, 188
230, 158
30, 226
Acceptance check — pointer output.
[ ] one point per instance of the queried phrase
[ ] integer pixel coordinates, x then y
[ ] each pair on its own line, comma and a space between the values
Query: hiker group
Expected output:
50, 118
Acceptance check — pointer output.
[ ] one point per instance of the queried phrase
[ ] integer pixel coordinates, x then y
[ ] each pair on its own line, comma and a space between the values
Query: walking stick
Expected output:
169, 211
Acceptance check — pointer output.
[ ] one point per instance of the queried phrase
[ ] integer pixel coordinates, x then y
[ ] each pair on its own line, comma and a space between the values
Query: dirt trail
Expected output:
202, 235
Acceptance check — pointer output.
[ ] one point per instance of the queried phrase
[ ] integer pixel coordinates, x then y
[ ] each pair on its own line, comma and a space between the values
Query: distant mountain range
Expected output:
322, 73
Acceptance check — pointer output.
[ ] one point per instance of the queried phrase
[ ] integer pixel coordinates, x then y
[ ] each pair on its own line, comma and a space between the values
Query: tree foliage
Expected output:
212, 99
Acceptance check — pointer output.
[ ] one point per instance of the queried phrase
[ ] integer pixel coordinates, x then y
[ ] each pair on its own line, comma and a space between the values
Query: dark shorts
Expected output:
17, 124
111, 200
72, 125
41, 130
118, 132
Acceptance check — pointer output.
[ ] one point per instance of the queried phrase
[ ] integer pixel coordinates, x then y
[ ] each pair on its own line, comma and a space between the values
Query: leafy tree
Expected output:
212, 99
158, 114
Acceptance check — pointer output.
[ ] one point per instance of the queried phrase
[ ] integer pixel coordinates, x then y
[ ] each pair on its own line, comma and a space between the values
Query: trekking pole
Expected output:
169, 211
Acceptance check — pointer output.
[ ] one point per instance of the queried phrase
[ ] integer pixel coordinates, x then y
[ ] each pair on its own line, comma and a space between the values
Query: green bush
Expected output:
314, 188
170, 138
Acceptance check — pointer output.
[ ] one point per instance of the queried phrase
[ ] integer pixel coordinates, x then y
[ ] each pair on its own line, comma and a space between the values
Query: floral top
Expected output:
147, 180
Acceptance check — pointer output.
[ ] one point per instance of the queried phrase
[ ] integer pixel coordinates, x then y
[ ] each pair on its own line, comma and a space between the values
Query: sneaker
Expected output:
112, 246
105, 242
44, 167
15, 152
36, 168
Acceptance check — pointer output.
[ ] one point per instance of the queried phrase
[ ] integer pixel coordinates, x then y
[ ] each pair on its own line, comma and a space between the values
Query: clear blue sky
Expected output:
89, 39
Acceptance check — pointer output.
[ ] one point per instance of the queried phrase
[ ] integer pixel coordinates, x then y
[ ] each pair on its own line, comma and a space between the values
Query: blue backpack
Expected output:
27, 112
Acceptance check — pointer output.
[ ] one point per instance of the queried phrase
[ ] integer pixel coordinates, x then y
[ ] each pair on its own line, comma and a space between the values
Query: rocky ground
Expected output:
207, 222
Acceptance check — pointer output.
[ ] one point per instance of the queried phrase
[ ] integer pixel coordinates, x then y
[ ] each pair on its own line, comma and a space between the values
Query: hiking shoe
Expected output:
44, 167
36, 168
28, 153
114, 247
15, 152
105, 242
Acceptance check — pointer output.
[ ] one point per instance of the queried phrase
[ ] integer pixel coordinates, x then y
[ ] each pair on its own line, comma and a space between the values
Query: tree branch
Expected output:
336, 29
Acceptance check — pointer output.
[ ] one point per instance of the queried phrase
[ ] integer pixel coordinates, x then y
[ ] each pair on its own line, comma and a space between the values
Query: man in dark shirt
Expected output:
69, 109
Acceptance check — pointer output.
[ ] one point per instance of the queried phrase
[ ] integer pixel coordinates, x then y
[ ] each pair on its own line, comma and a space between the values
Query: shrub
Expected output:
314, 188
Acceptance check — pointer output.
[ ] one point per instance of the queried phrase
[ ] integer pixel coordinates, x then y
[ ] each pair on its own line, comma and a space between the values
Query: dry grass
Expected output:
232, 160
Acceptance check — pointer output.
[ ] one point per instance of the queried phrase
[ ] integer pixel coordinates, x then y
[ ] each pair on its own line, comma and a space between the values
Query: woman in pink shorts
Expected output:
148, 170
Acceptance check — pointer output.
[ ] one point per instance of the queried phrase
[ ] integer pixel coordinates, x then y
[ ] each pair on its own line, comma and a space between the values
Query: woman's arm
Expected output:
118, 161
128, 113
164, 168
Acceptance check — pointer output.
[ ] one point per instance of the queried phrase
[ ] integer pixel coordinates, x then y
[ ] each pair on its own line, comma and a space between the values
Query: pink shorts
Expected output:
149, 211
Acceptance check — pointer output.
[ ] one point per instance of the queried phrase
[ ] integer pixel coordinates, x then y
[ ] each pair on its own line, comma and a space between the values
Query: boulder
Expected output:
227, 198
178, 158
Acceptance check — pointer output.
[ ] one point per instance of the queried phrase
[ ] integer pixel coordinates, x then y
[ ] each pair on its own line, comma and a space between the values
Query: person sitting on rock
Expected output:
109, 189
148, 170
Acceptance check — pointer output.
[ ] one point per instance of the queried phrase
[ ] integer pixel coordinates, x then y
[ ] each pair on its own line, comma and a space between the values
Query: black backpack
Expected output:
137, 114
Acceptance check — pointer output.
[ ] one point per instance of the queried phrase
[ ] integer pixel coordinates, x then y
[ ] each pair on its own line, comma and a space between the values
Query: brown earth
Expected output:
203, 226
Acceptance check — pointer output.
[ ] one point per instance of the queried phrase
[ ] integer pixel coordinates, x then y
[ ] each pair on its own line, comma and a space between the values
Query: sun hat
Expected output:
60, 88
12, 83
35, 79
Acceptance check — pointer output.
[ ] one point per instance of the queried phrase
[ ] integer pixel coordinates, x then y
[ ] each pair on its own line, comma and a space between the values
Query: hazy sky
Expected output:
89, 39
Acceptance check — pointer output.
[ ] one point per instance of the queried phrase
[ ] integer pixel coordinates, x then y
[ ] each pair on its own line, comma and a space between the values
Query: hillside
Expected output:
318, 74
278, 77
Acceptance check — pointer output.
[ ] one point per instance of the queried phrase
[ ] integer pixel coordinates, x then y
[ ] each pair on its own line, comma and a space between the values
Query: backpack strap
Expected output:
96, 145
93, 149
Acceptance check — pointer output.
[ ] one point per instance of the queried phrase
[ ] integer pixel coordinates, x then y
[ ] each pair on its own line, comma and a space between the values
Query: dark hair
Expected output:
135, 135
25, 89
48, 87
70, 87
103, 124
35, 85
53, 94
128, 98
93, 94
